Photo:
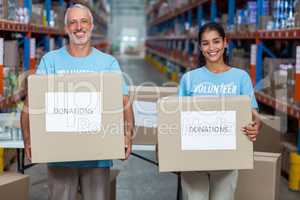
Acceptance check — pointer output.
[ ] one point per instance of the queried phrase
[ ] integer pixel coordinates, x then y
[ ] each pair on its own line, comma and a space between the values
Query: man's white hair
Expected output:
78, 6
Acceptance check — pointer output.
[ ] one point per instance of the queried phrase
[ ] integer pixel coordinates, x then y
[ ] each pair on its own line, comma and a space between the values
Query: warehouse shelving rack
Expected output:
166, 47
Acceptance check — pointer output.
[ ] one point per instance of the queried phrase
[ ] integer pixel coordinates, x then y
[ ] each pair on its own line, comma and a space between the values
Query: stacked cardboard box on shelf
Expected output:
59, 13
240, 59
11, 65
264, 22
297, 14
37, 13
280, 73
56, 19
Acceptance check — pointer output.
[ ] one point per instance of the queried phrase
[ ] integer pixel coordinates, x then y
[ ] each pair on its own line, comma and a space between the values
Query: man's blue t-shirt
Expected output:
202, 82
61, 62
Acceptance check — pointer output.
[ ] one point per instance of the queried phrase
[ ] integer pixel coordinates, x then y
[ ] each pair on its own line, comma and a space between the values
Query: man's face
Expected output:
79, 26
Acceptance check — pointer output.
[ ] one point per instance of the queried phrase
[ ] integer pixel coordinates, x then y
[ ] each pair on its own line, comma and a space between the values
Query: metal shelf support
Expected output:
27, 4
213, 10
260, 4
259, 65
48, 11
26, 39
265, 49
231, 11
199, 15
190, 18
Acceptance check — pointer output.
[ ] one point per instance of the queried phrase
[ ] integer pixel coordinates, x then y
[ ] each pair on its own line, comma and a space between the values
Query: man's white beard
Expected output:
80, 41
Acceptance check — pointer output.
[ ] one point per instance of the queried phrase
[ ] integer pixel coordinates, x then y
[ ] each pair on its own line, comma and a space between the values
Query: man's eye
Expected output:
84, 21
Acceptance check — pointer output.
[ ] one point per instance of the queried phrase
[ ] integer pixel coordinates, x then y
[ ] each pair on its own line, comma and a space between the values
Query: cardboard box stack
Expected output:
58, 15
265, 22
37, 16
11, 66
240, 58
280, 73
297, 14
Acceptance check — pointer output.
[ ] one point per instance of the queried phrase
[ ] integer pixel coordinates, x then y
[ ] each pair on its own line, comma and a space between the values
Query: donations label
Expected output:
208, 130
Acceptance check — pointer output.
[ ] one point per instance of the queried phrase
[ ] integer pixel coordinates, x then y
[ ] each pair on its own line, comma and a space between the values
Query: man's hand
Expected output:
128, 145
28, 151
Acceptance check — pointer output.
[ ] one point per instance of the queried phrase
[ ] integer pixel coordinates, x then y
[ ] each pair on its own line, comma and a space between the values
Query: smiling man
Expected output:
79, 57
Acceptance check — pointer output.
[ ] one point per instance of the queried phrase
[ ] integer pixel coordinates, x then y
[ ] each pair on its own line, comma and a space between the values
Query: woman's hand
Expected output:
251, 130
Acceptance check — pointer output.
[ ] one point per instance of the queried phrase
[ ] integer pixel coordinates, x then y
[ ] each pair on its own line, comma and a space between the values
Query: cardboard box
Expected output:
273, 64
37, 13
204, 133
144, 106
261, 183
264, 20
269, 138
14, 186
76, 117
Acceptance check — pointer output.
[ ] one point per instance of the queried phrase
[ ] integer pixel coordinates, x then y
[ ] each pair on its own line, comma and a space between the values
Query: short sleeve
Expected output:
182, 91
247, 89
116, 68
42, 67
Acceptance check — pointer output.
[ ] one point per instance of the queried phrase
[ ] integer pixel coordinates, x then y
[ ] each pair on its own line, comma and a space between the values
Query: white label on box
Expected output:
208, 130
145, 114
73, 111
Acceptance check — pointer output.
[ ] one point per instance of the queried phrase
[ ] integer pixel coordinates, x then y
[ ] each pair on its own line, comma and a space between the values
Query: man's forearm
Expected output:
128, 116
25, 123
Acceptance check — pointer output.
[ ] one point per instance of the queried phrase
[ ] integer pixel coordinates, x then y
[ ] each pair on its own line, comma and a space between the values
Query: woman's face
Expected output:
212, 46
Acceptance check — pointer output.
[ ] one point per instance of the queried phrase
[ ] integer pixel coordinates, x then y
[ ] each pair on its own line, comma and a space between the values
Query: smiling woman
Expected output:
216, 78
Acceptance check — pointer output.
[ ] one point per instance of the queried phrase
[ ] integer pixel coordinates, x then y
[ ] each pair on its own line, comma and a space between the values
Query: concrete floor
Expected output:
138, 179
